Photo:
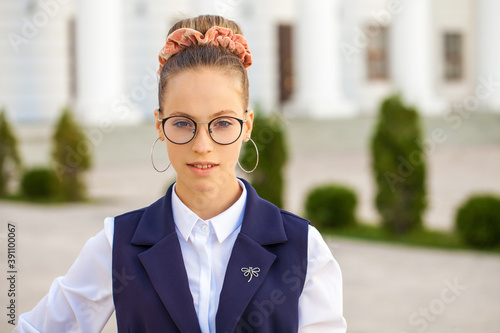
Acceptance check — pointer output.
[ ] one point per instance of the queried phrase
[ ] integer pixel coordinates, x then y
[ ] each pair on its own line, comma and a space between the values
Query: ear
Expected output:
158, 125
247, 129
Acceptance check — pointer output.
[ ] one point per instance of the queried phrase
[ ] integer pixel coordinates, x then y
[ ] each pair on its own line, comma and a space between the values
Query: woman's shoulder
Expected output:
131, 213
294, 224
137, 213
293, 218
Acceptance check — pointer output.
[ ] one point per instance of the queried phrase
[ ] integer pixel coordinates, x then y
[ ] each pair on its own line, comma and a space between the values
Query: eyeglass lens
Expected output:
223, 130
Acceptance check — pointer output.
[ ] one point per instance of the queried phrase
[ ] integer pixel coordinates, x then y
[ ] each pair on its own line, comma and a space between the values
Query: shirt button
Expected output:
204, 228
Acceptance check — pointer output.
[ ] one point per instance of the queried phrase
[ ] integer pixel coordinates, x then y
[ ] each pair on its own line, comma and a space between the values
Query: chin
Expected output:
213, 182
200, 184
204, 186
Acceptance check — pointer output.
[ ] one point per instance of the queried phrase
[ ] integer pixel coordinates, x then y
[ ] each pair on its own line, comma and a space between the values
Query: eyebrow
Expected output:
215, 115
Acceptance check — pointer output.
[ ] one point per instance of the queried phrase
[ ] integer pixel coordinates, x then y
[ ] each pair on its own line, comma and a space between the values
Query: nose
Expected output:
202, 142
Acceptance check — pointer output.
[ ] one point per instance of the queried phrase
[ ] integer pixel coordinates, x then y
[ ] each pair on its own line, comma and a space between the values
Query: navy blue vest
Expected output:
150, 286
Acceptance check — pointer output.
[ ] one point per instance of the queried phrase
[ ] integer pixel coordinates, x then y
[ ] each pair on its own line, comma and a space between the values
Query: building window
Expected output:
286, 79
453, 69
378, 53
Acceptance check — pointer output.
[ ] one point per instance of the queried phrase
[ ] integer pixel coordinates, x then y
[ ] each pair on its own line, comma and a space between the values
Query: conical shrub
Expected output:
10, 160
399, 167
269, 135
71, 156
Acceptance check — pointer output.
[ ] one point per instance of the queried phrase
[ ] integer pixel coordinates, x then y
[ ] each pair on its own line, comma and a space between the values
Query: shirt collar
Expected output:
223, 224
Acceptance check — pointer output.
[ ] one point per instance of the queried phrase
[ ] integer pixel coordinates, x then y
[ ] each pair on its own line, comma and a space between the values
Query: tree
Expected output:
399, 166
71, 156
269, 136
10, 161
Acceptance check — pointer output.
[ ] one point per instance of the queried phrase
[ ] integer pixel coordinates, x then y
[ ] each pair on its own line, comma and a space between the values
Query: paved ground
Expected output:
386, 288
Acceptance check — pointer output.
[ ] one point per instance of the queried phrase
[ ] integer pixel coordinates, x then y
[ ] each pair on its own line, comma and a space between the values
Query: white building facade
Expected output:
312, 58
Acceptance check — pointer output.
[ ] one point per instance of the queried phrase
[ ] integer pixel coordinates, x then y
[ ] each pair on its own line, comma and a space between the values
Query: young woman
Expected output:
209, 256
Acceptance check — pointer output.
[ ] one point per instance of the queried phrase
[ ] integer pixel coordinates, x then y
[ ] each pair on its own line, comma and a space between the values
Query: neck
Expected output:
208, 204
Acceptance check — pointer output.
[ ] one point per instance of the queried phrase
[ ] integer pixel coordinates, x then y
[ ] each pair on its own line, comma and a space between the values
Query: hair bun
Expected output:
216, 35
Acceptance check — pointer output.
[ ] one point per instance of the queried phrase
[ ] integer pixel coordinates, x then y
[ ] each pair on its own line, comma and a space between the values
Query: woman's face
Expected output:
203, 165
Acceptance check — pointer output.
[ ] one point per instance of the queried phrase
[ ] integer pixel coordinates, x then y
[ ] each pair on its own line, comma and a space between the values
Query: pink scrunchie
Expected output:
184, 37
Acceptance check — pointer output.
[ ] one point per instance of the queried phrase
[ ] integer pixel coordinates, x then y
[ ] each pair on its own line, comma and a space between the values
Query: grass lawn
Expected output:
421, 238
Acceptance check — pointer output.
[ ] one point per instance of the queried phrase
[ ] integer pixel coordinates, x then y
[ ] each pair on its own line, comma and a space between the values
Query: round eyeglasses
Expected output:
223, 130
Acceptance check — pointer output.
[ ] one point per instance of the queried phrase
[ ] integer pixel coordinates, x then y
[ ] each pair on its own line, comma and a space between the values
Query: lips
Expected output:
202, 165
202, 168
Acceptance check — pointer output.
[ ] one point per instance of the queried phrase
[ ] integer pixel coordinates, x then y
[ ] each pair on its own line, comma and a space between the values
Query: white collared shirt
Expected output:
82, 300
206, 247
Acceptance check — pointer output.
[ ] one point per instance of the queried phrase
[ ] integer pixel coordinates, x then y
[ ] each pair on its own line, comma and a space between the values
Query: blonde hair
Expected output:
199, 56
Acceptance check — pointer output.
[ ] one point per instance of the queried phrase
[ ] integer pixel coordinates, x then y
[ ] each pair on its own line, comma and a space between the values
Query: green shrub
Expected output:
269, 136
40, 183
10, 162
71, 156
477, 221
399, 167
331, 206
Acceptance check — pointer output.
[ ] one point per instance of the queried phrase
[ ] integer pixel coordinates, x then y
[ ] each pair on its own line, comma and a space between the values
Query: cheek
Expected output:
174, 151
233, 153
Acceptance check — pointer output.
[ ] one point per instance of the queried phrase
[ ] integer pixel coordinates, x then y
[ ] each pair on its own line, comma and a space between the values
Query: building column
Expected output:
412, 47
318, 76
100, 61
488, 54
20, 79
260, 30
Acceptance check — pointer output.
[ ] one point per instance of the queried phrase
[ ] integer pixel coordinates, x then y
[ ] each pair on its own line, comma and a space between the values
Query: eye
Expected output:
223, 123
182, 123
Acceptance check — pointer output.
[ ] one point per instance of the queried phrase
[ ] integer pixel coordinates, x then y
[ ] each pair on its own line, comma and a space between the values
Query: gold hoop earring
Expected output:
256, 163
152, 160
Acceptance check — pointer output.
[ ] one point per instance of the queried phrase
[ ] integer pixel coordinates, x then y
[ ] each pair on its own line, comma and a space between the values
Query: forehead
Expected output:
200, 93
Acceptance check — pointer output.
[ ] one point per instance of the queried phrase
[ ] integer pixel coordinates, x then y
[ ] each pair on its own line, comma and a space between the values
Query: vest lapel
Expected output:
239, 289
262, 225
164, 264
